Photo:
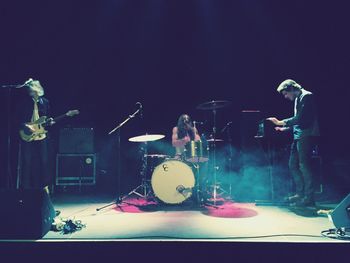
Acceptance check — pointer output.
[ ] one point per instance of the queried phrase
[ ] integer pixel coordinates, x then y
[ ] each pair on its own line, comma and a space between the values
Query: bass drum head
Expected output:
168, 178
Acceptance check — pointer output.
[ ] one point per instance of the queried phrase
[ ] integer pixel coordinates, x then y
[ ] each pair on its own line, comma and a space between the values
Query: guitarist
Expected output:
34, 168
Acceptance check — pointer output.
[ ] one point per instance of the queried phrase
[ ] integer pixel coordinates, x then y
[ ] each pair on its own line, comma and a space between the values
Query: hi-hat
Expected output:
213, 105
147, 138
215, 140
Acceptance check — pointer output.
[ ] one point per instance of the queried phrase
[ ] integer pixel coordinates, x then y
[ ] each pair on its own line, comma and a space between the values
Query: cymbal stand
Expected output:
230, 159
214, 159
144, 186
216, 188
197, 186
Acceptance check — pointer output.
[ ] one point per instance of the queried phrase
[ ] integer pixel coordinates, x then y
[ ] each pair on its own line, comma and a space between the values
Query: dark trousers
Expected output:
300, 166
34, 165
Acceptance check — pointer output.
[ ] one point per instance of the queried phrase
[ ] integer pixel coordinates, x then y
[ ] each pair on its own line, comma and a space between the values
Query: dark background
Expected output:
101, 57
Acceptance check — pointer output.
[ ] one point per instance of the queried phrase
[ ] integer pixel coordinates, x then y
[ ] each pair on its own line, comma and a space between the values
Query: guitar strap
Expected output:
35, 115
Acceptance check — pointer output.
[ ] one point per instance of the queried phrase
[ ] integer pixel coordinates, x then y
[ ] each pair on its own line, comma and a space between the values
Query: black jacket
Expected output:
305, 119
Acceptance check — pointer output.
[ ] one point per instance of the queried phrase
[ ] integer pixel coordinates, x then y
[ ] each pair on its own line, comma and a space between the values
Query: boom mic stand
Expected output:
118, 128
9, 130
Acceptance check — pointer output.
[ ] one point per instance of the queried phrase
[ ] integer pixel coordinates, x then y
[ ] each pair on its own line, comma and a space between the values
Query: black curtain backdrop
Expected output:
102, 57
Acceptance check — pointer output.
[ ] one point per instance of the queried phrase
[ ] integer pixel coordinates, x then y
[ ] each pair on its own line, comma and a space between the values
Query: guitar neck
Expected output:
58, 118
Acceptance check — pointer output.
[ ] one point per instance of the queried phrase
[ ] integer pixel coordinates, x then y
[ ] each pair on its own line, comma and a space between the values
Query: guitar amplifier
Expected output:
75, 169
76, 140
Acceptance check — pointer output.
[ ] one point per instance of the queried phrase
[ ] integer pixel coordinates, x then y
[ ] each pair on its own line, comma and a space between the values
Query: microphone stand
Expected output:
9, 88
118, 128
125, 121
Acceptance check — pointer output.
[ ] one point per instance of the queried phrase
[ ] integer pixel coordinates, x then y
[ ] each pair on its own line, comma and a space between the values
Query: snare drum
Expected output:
196, 152
172, 182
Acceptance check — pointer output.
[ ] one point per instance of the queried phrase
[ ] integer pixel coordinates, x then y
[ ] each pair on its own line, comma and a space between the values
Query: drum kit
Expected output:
173, 181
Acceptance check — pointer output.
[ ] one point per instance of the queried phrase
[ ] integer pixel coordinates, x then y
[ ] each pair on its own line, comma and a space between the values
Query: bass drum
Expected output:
172, 182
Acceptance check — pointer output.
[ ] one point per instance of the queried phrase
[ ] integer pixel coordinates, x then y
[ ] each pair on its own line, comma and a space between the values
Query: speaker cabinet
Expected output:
26, 214
76, 140
341, 214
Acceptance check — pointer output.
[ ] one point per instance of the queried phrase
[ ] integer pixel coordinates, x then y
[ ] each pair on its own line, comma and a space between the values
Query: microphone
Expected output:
226, 126
30, 80
140, 108
180, 189
183, 190
198, 122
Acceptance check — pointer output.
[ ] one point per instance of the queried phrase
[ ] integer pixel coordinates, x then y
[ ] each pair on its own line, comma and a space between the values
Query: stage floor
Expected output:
229, 222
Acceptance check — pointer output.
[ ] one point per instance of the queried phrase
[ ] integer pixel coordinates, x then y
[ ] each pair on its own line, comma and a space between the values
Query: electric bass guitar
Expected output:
35, 131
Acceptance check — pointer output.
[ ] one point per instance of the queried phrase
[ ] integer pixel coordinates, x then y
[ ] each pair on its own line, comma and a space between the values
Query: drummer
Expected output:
183, 133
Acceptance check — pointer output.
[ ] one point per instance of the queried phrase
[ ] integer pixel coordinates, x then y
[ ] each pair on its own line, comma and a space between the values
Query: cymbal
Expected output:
216, 140
213, 105
147, 138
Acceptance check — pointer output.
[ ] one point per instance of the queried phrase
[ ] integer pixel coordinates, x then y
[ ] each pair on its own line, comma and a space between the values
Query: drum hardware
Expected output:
230, 158
156, 155
144, 187
144, 190
216, 140
198, 123
213, 106
227, 129
199, 195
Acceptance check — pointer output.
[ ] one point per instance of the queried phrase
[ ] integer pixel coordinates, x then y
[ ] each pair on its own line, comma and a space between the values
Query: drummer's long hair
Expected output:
181, 127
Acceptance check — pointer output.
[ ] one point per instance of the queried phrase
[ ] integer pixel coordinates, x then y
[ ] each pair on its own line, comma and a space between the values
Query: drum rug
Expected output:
226, 209
231, 209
